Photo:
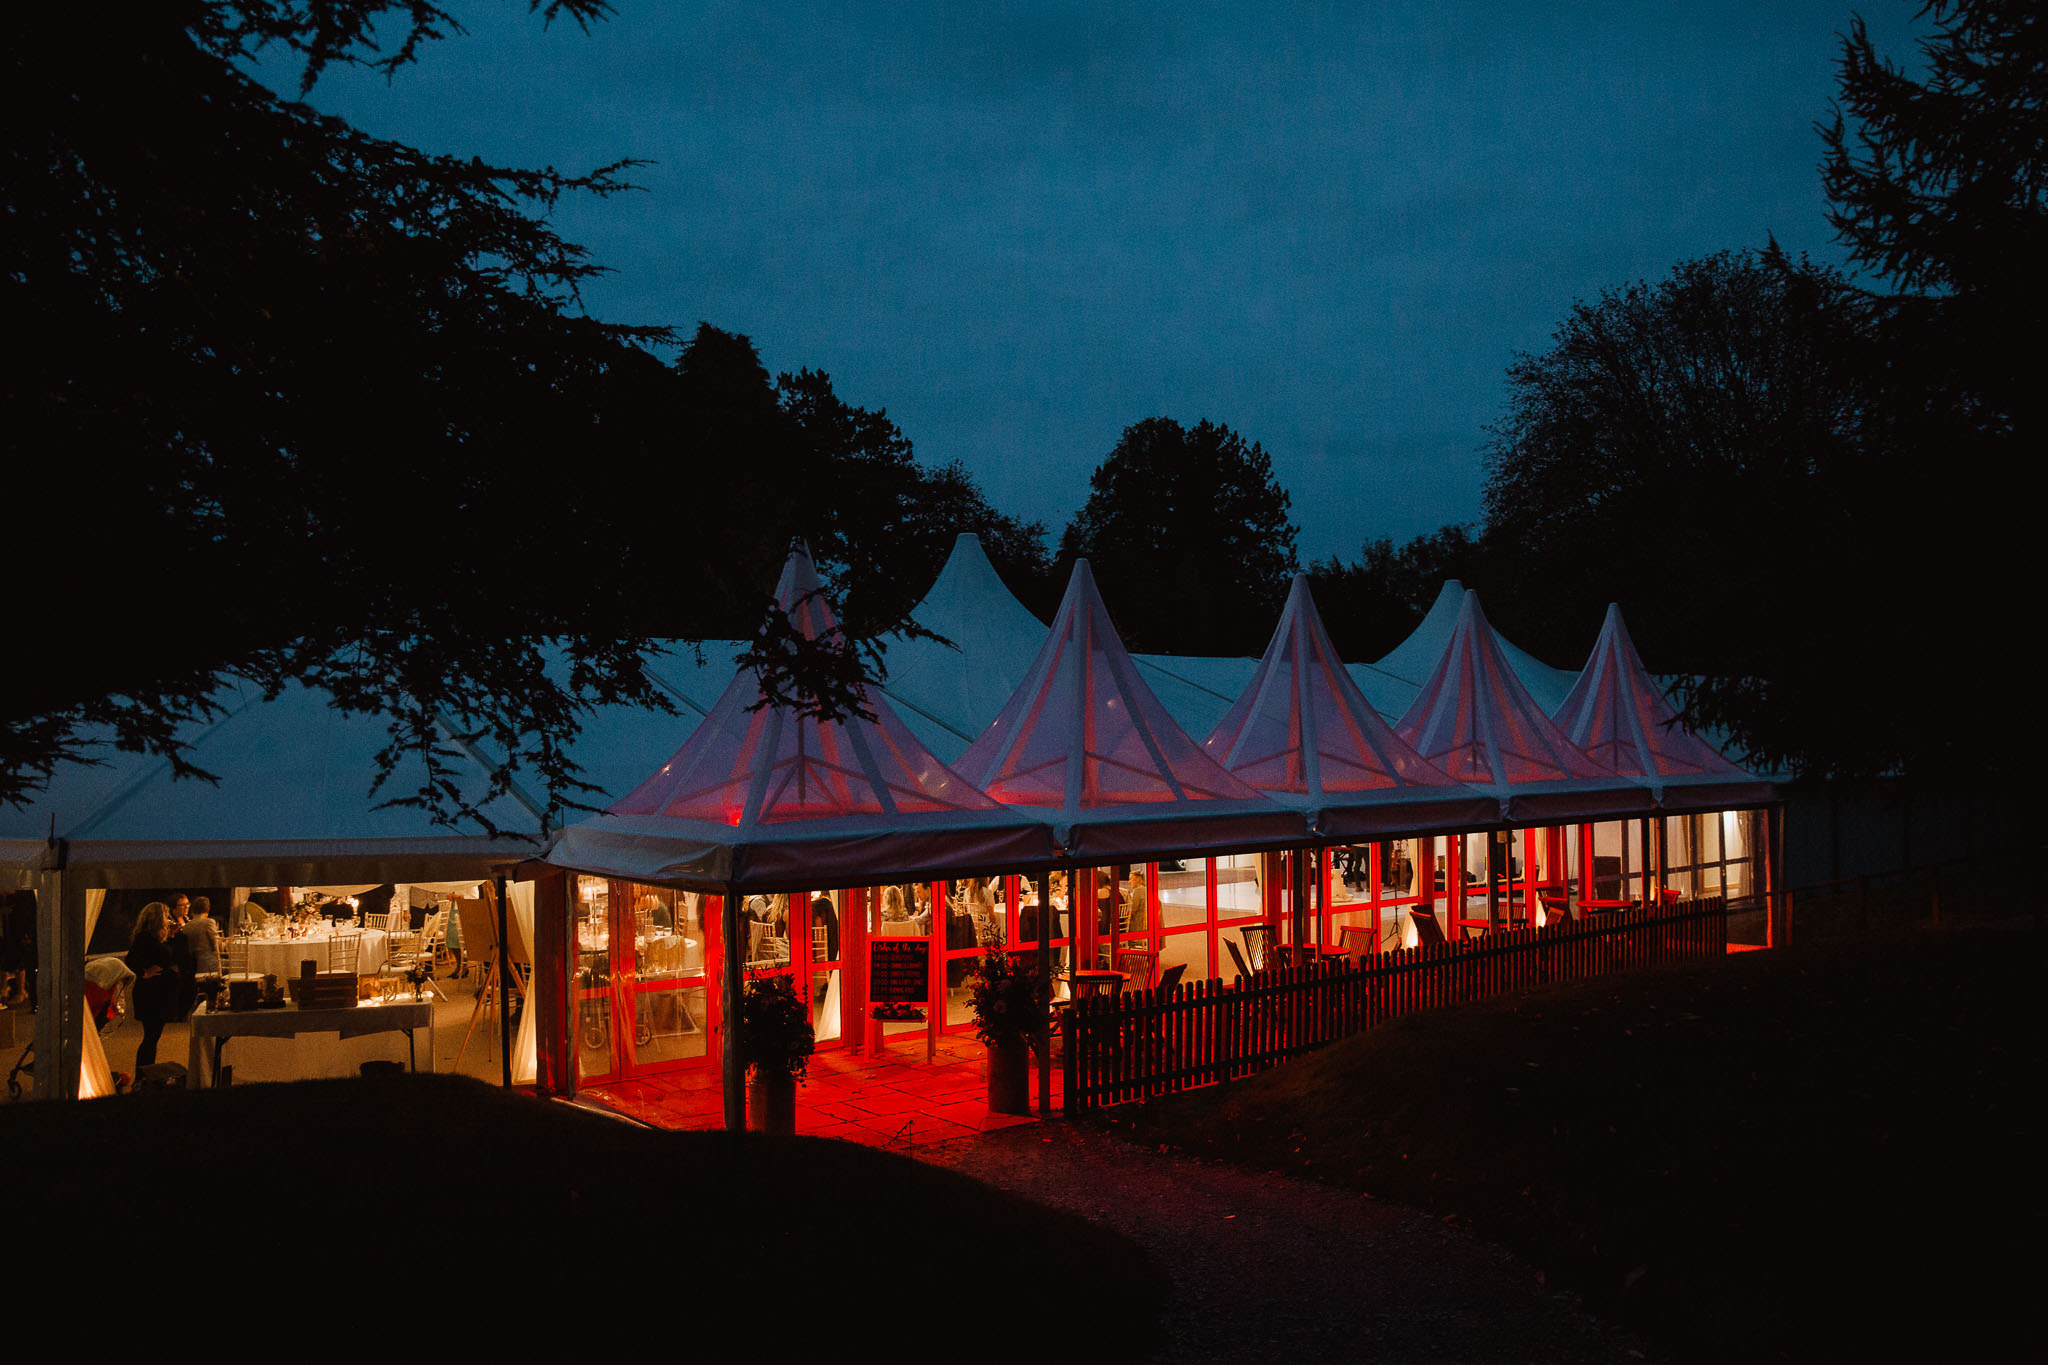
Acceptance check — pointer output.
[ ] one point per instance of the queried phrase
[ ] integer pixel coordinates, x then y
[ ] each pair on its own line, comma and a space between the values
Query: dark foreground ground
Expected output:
420, 1210
1824, 1153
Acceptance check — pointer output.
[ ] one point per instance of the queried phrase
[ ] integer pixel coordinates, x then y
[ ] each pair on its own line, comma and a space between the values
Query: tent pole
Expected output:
735, 1071
1045, 922
504, 988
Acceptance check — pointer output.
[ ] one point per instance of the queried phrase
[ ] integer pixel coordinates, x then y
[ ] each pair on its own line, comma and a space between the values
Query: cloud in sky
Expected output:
1021, 227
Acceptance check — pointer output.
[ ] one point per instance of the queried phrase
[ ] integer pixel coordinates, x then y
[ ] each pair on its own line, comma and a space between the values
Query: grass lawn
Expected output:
438, 1210
1804, 1154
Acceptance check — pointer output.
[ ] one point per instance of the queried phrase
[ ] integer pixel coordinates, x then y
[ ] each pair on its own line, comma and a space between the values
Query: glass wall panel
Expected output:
765, 922
958, 1010
1183, 894
595, 1059
1611, 857
1244, 950
1239, 889
1351, 875
1399, 859
1031, 911
1190, 950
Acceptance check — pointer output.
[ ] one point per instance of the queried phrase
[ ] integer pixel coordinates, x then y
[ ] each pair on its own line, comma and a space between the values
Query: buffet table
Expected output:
350, 1021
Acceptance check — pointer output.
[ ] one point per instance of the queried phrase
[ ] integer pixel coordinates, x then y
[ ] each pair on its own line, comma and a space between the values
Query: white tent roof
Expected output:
1475, 720
1085, 741
1618, 714
1303, 734
947, 692
1393, 682
291, 806
763, 797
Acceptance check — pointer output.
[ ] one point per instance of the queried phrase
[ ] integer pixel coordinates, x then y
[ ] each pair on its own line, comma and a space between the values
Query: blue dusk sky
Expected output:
1020, 227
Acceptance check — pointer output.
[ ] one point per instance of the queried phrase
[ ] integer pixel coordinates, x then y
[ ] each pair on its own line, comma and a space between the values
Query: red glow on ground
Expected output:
894, 1099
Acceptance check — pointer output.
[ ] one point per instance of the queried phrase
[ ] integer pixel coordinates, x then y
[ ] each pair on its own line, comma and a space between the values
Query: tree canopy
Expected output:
1372, 604
301, 404
1189, 537
1696, 449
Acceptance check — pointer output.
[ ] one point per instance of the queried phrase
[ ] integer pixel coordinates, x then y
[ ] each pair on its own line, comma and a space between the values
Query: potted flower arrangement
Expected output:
776, 1044
1008, 999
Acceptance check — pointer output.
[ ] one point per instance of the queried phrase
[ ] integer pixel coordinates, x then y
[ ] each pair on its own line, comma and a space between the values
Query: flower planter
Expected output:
771, 1104
1009, 1078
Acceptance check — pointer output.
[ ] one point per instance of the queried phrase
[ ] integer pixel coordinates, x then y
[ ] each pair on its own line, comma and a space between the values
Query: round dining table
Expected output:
282, 956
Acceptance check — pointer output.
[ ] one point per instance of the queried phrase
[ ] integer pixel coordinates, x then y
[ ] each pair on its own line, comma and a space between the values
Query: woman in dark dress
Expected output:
156, 978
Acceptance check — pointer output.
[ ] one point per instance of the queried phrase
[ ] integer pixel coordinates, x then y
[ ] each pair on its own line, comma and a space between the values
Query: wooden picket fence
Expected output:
1203, 1032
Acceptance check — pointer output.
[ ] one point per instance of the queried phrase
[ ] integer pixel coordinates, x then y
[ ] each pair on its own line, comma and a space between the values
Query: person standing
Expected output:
156, 977
181, 956
202, 937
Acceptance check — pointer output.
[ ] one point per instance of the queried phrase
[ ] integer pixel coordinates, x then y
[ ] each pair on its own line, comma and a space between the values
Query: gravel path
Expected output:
1265, 1267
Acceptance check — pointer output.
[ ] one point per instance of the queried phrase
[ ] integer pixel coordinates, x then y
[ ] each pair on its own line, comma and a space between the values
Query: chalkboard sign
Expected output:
899, 972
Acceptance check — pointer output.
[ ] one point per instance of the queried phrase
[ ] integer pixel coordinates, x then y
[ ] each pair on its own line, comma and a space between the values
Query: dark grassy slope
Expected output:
1780, 1155
488, 1217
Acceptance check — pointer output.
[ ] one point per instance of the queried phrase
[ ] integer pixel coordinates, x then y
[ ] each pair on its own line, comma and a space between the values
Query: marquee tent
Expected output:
947, 689
290, 806
1619, 715
762, 797
1476, 720
1305, 735
1393, 682
1084, 741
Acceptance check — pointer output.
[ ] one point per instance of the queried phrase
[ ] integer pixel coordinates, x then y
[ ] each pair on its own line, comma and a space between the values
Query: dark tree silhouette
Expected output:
739, 466
303, 405
1699, 450
1371, 605
1189, 538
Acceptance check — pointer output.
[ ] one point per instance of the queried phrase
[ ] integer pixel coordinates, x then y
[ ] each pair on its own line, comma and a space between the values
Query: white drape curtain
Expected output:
525, 1068
95, 1077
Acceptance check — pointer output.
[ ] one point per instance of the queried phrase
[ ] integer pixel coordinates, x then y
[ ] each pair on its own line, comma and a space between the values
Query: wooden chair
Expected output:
1170, 978
1358, 941
1256, 937
1236, 956
1143, 967
1428, 933
234, 957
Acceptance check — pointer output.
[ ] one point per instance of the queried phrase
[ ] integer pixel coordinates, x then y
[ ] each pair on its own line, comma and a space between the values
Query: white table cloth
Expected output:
282, 956
348, 1021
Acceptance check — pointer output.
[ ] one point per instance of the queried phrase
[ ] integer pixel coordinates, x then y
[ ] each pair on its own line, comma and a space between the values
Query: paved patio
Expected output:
894, 1099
